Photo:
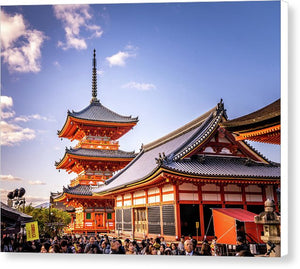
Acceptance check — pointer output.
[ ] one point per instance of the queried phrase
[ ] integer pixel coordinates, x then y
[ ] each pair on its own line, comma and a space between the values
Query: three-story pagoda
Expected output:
94, 159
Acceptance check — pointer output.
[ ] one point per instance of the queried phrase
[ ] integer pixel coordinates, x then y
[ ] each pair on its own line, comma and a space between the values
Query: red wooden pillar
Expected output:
222, 195
201, 212
105, 224
263, 190
84, 219
244, 196
160, 210
177, 207
132, 214
146, 202
275, 187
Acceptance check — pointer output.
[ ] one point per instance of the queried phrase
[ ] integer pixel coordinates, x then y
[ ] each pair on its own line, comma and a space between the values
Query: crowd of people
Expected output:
102, 244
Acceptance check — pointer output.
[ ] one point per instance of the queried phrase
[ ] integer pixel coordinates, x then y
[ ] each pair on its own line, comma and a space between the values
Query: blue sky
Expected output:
166, 63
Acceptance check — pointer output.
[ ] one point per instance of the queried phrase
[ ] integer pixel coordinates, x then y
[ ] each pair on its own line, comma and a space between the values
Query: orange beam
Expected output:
271, 133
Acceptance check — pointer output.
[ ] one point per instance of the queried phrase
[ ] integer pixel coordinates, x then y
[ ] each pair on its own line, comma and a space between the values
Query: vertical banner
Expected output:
32, 231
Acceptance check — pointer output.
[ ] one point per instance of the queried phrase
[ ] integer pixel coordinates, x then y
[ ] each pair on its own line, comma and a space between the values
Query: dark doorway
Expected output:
257, 209
208, 219
234, 206
189, 215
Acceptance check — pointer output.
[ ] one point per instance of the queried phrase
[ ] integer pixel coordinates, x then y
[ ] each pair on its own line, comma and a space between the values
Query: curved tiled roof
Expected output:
104, 153
225, 166
97, 112
267, 116
79, 190
147, 161
144, 164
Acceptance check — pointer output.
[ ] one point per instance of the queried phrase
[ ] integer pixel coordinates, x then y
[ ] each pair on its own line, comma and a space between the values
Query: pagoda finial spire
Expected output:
94, 80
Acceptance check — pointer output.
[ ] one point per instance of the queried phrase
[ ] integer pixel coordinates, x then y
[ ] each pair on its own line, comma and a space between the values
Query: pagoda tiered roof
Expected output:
97, 112
178, 153
96, 155
96, 119
78, 191
84, 190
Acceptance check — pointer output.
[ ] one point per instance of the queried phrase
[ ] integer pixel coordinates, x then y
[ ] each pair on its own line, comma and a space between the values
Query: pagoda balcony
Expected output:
89, 179
98, 144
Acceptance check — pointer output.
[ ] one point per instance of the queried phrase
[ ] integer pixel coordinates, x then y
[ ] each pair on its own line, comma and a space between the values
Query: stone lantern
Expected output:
271, 223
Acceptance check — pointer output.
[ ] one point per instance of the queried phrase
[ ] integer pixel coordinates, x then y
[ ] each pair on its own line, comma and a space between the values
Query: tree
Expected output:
51, 221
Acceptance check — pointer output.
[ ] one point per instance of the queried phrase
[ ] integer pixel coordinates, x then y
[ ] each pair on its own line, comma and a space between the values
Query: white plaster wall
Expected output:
253, 198
211, 197
153, 191
210, 187
232, 187
139, 201
139, 193
154, 199
127, 196
168, 187
128, 202
253, 188
188, 187
169, 197
188, 196
233, 197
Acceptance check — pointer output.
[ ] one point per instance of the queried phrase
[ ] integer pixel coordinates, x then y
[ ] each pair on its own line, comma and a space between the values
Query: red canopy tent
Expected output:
225, 225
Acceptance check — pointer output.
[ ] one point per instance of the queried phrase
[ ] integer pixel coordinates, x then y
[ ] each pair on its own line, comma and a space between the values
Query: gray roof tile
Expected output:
97, 112
225, 166
105, 153
79, 190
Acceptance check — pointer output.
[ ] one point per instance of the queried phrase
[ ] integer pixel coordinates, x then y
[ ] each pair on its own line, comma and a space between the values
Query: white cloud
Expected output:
12, 134
11, 29
7, 115
139, 86
21, 46
75, 17
9, 178
119, 58
31, 117
6, 102
36, 182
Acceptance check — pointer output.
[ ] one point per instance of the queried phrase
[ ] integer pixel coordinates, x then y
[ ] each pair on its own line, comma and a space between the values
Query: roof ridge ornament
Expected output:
94, 80
221, 108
